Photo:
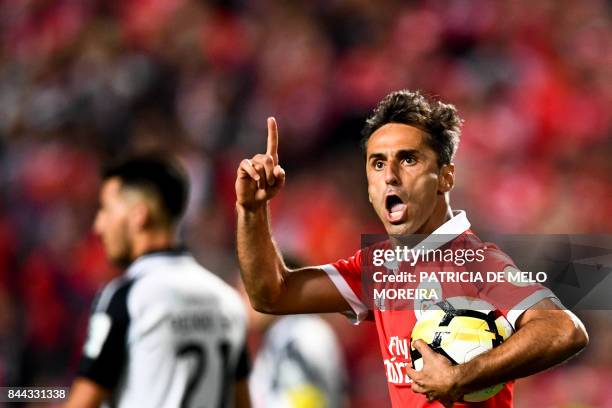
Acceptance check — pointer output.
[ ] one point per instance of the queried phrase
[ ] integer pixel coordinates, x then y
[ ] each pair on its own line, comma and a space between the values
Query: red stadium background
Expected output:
83, 81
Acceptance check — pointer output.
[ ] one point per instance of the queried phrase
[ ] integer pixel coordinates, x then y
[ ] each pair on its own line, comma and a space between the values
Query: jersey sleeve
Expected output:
346, 276
512, 299
105, 350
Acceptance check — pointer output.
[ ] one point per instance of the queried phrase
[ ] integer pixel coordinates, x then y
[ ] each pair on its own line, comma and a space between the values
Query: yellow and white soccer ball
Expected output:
461, 328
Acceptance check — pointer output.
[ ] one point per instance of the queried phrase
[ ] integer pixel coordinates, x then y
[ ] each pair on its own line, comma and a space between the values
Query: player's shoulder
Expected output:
490, 255
176, 279
213, 284
352, 264
113, 293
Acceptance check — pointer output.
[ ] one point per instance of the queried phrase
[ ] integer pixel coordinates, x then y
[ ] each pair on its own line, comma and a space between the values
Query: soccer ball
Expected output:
460, 328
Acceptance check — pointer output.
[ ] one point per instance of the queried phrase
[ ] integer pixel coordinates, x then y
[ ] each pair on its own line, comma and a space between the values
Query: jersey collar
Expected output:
448, 231
146, 260
456, 226
171, 251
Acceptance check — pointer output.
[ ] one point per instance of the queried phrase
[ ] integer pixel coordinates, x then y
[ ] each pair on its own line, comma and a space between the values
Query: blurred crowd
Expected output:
86, 81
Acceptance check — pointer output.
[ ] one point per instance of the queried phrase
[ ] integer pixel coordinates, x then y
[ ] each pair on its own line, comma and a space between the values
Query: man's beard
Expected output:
124, 258
122, 261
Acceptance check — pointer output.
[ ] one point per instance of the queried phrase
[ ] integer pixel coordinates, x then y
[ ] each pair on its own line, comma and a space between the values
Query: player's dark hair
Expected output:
157, 174
439, 120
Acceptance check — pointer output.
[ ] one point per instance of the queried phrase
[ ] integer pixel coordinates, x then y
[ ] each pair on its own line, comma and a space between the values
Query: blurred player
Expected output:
409, 145
168, 333
299, 363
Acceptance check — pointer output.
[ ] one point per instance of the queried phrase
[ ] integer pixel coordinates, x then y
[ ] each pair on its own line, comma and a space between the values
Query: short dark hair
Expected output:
156, 173
439, 120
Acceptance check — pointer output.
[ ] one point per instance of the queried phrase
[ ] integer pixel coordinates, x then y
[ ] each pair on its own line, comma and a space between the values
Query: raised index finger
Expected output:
272, 140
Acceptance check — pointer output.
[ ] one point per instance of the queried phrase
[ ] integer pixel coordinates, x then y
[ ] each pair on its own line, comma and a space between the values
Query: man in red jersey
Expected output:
409, 144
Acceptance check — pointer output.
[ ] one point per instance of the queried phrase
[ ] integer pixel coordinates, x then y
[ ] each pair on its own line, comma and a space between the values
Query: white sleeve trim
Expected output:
360, 311
529, 301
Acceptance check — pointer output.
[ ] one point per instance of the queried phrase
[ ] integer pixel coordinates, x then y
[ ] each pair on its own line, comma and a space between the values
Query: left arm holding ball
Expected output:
546, 335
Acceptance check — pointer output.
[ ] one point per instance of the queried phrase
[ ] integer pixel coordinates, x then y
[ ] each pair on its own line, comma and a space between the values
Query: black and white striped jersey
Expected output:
168, 333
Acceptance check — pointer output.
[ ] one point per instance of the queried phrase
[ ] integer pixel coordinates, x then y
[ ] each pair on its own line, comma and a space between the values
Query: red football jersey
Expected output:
394, 323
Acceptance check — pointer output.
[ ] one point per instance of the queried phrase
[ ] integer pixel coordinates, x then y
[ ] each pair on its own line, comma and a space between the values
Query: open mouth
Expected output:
396, 208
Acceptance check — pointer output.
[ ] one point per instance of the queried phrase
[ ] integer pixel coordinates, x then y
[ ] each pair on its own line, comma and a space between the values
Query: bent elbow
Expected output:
262, 306
265, 302
266, 296
577, 337
580, 338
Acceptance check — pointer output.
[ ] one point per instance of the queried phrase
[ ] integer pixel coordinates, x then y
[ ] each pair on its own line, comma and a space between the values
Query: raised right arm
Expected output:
271, 286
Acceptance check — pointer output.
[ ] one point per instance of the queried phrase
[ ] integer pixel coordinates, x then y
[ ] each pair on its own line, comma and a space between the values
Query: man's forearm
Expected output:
261, 265
537, 345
